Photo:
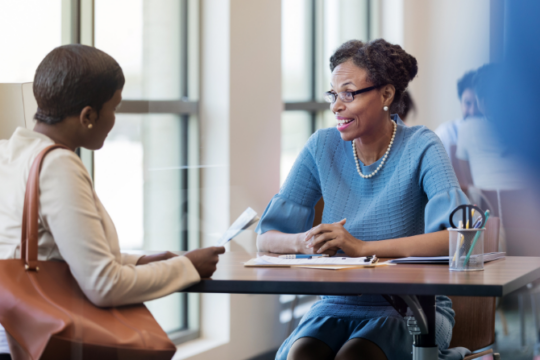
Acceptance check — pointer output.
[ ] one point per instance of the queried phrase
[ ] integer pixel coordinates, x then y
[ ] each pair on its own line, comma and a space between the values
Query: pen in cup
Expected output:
475, 240
460, 239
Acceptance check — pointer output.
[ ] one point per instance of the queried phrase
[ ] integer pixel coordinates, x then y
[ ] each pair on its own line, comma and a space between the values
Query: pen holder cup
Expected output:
466, 249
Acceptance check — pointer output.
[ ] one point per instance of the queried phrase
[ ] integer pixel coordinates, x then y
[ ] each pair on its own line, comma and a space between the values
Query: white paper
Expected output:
248, 218
336, 260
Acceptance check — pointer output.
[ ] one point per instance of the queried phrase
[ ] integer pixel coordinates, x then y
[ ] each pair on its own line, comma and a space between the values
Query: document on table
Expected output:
248, 218
335, 262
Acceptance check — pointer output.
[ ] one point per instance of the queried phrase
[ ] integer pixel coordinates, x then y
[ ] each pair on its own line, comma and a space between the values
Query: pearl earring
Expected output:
90, 126
385, 108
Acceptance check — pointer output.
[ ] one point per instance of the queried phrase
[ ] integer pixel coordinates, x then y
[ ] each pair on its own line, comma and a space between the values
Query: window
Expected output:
25, 44
146, 174
311, 31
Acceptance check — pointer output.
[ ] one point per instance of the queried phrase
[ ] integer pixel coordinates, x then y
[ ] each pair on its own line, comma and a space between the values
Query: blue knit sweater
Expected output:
413, 193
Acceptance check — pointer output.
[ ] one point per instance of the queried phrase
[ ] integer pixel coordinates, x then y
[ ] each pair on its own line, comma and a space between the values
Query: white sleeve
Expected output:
69, 211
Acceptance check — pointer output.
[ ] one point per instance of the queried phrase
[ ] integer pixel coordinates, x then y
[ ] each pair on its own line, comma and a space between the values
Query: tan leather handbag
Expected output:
47, 316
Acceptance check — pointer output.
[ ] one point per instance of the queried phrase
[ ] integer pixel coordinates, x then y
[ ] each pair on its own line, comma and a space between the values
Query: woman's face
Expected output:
104, 122
365, 113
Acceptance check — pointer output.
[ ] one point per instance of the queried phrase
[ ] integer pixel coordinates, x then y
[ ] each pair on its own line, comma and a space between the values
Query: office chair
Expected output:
17, 108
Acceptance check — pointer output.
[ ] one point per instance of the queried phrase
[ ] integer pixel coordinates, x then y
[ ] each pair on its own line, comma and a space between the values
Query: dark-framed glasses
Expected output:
346, 96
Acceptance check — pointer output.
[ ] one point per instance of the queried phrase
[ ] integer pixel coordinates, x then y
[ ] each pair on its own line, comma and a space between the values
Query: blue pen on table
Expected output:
475, 240
301, 256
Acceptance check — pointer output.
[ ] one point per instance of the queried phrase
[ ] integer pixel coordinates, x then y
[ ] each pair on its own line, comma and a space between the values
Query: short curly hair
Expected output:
385, 63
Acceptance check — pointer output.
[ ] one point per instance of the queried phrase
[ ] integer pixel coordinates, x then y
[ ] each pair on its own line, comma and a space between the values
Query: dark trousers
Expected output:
5, 357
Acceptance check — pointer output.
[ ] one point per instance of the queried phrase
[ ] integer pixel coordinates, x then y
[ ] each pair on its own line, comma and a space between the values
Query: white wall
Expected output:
448, 38
240, 139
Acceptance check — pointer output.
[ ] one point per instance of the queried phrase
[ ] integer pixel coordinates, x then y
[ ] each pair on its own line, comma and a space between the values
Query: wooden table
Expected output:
499, 278
416, 284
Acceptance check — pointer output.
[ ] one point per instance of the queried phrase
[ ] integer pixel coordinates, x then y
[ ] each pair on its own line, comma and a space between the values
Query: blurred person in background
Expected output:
497, 178
448, 131
484, 161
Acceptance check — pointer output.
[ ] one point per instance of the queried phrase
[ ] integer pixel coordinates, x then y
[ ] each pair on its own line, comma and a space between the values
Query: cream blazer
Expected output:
75, 227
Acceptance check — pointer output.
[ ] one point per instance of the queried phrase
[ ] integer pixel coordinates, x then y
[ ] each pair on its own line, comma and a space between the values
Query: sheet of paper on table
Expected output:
330, 263
248, 218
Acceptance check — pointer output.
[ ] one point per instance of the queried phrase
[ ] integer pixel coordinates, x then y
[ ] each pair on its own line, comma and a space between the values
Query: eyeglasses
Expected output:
346, 96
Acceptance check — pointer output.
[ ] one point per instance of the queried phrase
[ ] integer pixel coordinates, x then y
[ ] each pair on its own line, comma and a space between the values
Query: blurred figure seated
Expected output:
483, 160
498, 181
448, 131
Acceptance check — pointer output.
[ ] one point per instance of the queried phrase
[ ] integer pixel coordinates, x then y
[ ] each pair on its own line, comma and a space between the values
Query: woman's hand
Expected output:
328, 238
205, 260
146, 259
303, 247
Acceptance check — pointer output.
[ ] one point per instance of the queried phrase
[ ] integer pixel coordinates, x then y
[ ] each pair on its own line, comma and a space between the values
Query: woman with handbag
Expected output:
77, 89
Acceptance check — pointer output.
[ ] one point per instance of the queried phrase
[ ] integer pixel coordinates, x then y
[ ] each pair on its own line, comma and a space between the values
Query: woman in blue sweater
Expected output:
388, 190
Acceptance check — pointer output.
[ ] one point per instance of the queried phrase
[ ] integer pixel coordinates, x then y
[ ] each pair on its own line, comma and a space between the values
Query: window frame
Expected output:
78, 27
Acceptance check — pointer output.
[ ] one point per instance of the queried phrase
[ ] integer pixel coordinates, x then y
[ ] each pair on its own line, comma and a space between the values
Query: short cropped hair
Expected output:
72, 77
466, 82
385, 63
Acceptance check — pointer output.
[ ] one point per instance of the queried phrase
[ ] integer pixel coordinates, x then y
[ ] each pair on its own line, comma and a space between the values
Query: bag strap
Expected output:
29, 233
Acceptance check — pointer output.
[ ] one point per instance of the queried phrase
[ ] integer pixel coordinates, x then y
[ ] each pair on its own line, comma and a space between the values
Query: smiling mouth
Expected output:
344, 121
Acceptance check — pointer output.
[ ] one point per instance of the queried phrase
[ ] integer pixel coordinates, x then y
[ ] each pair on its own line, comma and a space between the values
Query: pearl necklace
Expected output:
384, 157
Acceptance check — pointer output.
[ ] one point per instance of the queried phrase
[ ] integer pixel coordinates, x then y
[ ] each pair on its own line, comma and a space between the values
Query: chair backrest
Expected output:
491, 236
475, 322
475, 315
457, 169
519, 219
17, 108
319, 208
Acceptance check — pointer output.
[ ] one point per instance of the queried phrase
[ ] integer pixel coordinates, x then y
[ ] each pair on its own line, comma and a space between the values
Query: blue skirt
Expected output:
337, 319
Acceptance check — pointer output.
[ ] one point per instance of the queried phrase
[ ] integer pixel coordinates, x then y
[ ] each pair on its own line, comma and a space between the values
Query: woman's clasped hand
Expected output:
329, 238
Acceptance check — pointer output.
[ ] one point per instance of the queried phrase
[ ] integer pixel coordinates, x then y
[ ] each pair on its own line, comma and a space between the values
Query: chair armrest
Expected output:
478, 355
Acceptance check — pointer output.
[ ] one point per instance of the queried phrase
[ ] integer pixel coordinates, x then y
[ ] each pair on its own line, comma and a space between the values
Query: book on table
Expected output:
444, 260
